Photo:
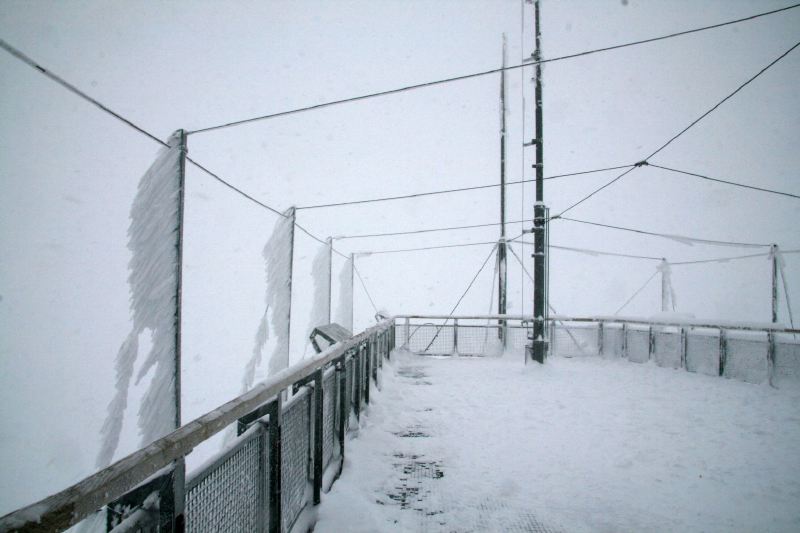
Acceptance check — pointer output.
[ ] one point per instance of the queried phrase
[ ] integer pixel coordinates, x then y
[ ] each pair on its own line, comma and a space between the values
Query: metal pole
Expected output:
774, 257
539, 303
502, 282
179, 468
664, 288
352, 291
329, 240
292, 214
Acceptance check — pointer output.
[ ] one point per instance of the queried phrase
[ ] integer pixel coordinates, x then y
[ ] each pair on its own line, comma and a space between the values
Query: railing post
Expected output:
344, 413
684, 346
377, 344
408, 334
651, 339
723, 352
367, 369
263, 469
771, 357
624, 354
455, 336
600, 338
319, 413
357, 383
275, 461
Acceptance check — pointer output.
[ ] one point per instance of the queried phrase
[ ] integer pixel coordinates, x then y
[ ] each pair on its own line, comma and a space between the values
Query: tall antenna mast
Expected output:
539, 211
502, 282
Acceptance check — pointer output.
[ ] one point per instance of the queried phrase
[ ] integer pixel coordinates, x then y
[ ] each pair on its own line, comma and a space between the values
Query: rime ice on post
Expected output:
667, 289
154, 239
344, 311
320, 272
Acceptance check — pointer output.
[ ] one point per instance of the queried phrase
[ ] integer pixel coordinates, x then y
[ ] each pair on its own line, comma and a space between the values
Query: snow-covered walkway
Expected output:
481, 444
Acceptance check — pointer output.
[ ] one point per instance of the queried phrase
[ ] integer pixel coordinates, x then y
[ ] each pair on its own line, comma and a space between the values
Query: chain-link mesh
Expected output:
479, 340
667, 348
787, 358
295, 442
747, 359
328, 416
431, 339
230, 495
518, 337
702, 353
638, 345
574, 340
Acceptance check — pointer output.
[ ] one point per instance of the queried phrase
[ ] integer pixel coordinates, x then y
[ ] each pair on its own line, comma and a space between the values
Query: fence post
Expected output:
275, 461
344, 413
771, 358
367, 369
357, 383
455, 336
624, 340
319, 413
263, 490
650, 342
408, 333
684, 342
600, 338
723, 352
377, 344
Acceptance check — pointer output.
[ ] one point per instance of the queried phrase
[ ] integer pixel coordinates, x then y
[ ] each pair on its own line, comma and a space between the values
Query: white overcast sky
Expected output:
68, 173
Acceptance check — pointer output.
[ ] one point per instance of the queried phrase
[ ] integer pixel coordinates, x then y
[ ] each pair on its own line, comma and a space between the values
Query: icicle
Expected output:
152, 280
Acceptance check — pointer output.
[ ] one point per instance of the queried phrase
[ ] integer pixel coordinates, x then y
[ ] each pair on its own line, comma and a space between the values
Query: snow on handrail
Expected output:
71, 505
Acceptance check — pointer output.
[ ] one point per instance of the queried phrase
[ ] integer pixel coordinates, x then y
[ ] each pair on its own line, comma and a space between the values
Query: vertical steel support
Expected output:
319, 413
408, 333
352, 291
275, 462
357, 383
684, 345
539, 255
723, 352
367, 369
329, 241
179, 469
292, 214
774, 256
344, 407
624, 354
455, 336
600, 338
651, 341
502, 253
263, 469
771, 357
377, 344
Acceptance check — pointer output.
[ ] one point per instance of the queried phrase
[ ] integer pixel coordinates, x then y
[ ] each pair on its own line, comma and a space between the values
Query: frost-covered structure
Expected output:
344, 311
668, 301
321, 273
154, 241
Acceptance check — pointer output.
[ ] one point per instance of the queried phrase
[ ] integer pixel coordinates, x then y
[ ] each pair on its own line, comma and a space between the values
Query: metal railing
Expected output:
754, 353
262, 482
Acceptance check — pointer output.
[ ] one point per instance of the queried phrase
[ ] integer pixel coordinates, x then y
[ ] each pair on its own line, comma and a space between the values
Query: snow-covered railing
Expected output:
462, 335
749, 352
262, 482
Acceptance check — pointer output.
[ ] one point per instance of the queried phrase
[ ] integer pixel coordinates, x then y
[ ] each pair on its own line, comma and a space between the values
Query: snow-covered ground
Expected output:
484, 444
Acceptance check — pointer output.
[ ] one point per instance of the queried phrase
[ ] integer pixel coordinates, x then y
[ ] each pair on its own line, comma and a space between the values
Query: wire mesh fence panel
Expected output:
667, 348
638, 345
573, 340
612, 340
787, 360
401, 332
479, 340
517, 337
431, 339
295, 442
329, 416
230, 495
746, 359
702, 353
